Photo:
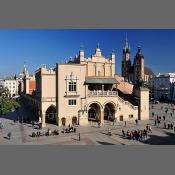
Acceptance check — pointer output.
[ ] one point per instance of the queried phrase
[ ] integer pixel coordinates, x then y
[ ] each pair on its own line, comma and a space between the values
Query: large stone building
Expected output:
12, 85
136, 71
83, 90
163, 86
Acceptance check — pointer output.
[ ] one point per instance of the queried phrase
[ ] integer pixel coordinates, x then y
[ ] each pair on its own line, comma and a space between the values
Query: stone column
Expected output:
102, 116
102, 88
43, 119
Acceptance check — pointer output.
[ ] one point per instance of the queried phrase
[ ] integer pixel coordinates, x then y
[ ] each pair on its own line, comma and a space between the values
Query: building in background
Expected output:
136, 71
162, 87
12, 85
28, 85
2, 83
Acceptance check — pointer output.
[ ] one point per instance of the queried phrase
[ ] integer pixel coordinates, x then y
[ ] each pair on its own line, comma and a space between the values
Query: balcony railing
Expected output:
102, 93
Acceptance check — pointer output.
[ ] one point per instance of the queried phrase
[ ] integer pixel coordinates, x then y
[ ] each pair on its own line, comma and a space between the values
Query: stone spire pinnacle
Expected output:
25, 71
126, 42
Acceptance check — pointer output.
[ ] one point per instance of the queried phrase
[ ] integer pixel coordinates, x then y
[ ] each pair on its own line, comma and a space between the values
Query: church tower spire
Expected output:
25, 71
126, 42
126, 62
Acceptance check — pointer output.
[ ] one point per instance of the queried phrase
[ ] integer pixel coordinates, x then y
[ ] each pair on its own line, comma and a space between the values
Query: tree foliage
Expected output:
7, 104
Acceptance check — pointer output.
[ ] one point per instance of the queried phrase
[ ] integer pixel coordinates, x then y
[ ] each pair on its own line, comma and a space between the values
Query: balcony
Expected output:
102, 93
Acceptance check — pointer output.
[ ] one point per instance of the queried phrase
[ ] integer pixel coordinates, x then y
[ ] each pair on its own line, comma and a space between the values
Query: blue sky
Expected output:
36, 47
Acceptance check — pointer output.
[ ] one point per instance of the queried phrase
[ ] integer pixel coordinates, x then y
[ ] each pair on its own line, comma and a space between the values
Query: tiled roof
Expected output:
148, 71
123, 86
100, 80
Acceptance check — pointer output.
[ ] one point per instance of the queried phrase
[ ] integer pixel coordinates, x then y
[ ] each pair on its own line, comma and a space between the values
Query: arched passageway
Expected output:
51, 115
94, 112
109, 112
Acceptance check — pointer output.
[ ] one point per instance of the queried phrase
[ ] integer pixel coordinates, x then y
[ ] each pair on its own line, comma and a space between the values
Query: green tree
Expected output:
7, 104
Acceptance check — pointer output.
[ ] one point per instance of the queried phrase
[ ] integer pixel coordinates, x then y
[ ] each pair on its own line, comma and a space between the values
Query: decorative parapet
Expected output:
102, 93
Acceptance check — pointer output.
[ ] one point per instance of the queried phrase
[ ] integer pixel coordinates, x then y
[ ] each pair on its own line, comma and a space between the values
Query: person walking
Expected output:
158, 122
125, 123
150, 129
171, 126
136, 121
155, 123
164, 125
9, 135
123, 132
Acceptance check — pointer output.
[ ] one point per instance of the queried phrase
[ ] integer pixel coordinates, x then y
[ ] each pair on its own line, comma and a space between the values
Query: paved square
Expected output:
92, 135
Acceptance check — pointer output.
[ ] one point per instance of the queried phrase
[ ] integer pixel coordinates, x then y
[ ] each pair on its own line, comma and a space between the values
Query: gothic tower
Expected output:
138, 65
126, 62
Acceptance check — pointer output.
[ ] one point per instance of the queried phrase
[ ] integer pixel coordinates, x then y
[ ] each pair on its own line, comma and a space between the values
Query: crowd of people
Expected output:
138, 135
48, 133
69, 129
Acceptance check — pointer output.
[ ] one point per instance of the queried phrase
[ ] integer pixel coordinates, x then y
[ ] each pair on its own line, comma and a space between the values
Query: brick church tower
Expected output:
138, 65
126, 62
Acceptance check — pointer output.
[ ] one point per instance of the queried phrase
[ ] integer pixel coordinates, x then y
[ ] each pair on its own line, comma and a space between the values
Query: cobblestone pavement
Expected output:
90, 135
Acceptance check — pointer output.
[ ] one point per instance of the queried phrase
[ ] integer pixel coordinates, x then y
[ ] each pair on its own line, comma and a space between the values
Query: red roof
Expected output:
124, 86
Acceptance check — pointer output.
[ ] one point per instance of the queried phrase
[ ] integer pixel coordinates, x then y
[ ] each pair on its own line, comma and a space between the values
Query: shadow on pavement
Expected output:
6, 138
160, 140
105, 143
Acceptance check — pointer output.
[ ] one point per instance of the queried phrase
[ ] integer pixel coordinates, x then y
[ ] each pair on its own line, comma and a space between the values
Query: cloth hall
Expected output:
84, 90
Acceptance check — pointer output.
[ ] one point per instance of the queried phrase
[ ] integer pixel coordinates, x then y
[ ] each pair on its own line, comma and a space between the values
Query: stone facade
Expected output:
163, 87
82, 91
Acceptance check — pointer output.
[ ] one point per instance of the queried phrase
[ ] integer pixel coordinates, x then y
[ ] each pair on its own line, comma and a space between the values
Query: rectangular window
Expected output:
72, 86
72, 102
